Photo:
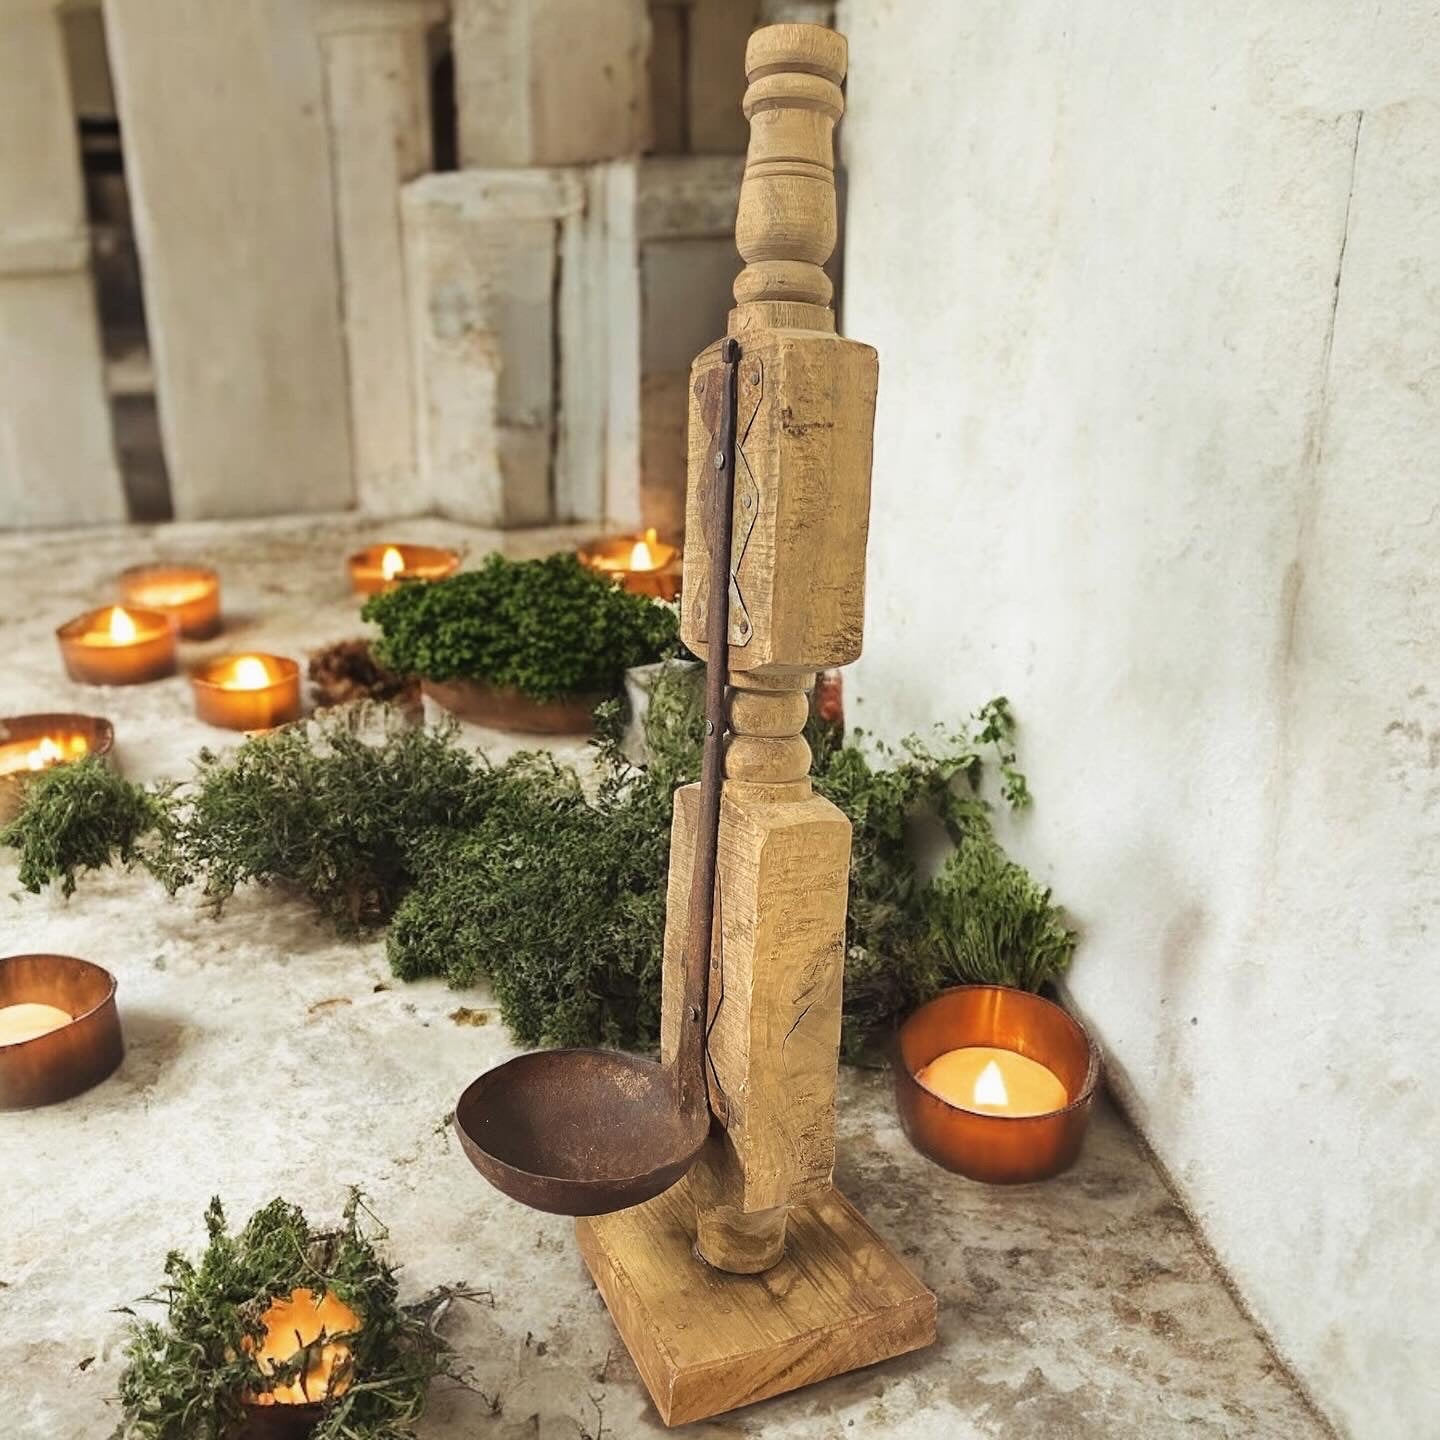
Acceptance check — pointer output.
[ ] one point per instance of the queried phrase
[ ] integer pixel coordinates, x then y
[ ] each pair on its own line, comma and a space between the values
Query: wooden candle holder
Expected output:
754, 1276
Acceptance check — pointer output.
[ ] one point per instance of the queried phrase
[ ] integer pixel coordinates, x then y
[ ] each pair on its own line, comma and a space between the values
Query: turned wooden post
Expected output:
806, 411
677, 1272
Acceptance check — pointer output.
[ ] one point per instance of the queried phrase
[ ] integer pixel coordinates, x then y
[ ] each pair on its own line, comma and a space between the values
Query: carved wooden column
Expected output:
680, 1274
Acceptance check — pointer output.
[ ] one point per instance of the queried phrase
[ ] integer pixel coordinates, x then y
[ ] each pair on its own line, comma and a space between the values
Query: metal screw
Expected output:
695, 1013
754, 377
719, 459
709, 727
744, 626
746, 502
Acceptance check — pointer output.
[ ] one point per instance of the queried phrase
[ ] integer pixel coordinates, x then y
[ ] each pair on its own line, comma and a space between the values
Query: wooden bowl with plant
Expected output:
529, 645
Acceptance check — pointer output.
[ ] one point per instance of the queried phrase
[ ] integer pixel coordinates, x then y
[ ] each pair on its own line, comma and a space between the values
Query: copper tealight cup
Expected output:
998, 1149
33, 744
59, 1063
190, 594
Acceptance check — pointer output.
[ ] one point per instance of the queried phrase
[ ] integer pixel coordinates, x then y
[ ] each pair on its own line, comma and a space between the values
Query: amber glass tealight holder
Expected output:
247, 692
384, 566
997, 1148
190, 594
118, 645
643, 564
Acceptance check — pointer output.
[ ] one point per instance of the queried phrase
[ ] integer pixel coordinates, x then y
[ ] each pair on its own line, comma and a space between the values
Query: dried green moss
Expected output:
83, 816
555, 892
185, 1373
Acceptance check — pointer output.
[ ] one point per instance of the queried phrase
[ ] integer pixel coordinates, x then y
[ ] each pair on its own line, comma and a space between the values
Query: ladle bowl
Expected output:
579, 1132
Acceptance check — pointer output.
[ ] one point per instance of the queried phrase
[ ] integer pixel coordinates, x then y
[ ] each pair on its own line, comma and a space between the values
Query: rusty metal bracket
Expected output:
709, 391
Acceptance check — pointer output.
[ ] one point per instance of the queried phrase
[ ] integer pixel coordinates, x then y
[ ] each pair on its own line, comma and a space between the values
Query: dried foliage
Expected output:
322, 810
348, 671
547, 627
82, 816
555, 891
185, 1374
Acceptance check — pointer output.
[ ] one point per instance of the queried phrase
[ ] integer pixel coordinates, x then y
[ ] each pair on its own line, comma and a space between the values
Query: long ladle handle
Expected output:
690, 1053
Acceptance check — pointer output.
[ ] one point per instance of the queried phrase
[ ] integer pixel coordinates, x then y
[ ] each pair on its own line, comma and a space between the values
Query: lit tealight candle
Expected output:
190, 594
302, 1323
382, 567
991, 1081
247, 692
118, 646
643, 564
29, 755
28, 1021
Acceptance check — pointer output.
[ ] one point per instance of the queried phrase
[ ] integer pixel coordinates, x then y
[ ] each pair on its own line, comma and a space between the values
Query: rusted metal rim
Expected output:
559, 1107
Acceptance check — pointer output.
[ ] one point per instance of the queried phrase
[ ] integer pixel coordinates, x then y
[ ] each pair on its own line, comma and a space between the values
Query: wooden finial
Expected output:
785, 230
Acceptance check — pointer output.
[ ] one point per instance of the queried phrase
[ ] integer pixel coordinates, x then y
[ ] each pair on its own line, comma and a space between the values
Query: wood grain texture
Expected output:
777, 968
706, 1342
806, 449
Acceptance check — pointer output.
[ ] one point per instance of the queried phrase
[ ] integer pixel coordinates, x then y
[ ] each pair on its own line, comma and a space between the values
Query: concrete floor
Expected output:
265, 1057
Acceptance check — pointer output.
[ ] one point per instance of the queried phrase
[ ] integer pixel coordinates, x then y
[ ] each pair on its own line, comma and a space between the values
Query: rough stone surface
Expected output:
1157, 299
266, 1057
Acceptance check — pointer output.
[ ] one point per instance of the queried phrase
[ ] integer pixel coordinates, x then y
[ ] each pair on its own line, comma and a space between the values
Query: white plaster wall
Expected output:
1157, 297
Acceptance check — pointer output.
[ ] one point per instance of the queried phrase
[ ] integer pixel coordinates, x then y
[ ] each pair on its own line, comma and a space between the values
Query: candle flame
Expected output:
301, 1325
392, 563
122, 627
642, 555
248, 673
990, 1086
47, 752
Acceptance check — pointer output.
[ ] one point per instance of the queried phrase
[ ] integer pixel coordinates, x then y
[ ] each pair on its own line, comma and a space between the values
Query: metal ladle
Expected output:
585, 1132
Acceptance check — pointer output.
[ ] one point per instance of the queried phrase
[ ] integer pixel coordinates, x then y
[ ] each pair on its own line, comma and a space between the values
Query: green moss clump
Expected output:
558, 897
989, 921
184, 1375
326, 812
546, 627
555, 891
79, 817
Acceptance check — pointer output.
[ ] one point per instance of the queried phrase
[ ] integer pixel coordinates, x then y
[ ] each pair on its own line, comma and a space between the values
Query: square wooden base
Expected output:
706, 1341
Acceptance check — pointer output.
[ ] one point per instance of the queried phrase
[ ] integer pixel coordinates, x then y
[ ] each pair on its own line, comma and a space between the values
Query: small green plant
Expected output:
185, 1374
989, 921
79, 817
546, 627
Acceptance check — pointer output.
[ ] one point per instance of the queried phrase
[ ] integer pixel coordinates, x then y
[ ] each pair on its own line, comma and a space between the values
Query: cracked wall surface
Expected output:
1157, 299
